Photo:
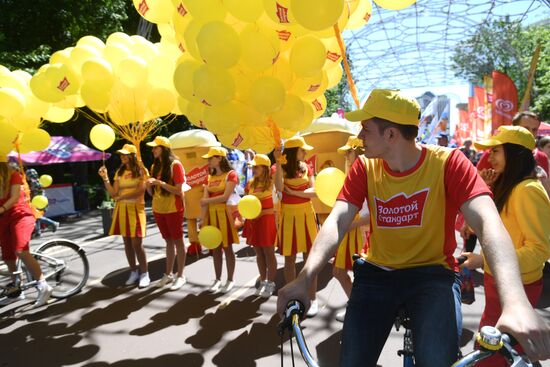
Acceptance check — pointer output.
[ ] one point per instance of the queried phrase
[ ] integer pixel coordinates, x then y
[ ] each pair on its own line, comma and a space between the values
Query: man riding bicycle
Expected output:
414, 193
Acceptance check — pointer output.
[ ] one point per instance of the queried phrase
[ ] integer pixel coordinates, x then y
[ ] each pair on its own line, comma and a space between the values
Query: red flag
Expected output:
505, 100
479, 108
464, 129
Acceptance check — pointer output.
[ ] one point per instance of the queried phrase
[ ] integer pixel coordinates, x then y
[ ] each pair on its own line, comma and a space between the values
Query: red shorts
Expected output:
15, 234
170, 225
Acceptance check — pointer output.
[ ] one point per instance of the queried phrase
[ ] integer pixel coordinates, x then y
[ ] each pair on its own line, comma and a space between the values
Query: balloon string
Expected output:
351, 83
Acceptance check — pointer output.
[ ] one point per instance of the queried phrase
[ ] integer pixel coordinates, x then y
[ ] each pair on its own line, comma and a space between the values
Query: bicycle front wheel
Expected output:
65, 266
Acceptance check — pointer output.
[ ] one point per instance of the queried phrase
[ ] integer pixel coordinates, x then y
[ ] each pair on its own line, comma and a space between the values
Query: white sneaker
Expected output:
133, 278
261, 287
144, 280
178, 283
7, 300
166, 278
44, 293
268, 290
216, 286
340, 316
313, 309
227, 286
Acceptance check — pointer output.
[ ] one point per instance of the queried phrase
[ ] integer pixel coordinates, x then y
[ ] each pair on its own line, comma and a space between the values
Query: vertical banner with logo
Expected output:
479, 107
464, 128
472, 118
488, 82
505, 99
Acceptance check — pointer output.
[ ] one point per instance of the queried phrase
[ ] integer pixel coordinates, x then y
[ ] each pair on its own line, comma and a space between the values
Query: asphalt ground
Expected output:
109, 324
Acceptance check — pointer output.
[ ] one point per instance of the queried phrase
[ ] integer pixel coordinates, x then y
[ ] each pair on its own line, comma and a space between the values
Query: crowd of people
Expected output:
398, 208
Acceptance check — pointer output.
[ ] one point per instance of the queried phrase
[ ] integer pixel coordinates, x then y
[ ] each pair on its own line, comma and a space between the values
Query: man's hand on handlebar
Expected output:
298, 290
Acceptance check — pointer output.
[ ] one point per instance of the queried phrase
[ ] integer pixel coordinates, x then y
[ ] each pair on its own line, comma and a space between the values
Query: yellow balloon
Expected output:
260, 47
223, 119
334, 54
62, 56
195, 112
119, 38
95, 98
45, 181
12, 102
219, 45
35, 106
132, 71
243, 139
102, 136
291, 113
334, 76
319, 106
279, 12
394, 4
128, 105
210, 237
91, 41
56, 114
202, 10
316, 15
183, 78
9, 133
98, 71
34, 140
310, 87
213, 86
4, 70
249, 206
361, 15
155, 11
39, 202
62, 81
160, 101
81, 54
307, 56
307, 120
283, 72
245, 10
267, 94
190, 38
115, 52
328, 184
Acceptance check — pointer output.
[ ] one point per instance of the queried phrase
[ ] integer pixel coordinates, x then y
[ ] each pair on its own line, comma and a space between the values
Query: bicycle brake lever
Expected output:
294, 307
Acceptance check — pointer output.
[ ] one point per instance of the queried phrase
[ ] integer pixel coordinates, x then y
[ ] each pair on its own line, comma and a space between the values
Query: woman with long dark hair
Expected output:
16, 226
222, 180
166, 187
129, 221
297, 225
525, 211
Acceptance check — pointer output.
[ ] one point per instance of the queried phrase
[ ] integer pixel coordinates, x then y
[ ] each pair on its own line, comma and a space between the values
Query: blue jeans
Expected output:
430, 296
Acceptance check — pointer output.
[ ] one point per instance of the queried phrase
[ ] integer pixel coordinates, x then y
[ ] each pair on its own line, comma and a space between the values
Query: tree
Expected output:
31, 30
506, 46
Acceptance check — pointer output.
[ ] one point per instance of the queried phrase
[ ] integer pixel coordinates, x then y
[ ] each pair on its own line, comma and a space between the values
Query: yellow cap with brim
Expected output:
160, 141
215, 151
297, 142
508, 134
127, 149
260, 160
389, 105
352, 143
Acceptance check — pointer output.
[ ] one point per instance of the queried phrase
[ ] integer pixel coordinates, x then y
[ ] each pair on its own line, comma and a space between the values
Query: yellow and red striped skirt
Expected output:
350, 245
220, 217
128, 220
297, 228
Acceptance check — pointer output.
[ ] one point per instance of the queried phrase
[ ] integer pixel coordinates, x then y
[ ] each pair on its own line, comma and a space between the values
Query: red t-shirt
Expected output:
21, 206
540, 157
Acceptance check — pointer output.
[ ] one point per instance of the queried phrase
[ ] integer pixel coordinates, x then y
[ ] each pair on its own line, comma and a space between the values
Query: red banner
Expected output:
479, 108
464, 129
505, 100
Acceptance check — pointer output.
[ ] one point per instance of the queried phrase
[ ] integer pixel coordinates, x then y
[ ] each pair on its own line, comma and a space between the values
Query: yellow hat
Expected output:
353, 142
509, 134
160, 141
215, 151
260, 160
389, 105
297, 142
127, 149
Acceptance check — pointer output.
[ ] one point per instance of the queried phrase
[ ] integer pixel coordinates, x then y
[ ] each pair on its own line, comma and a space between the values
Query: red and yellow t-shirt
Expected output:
300, 183
216, 184
21, 207
127, 184
413, 212
265, 195
164, 204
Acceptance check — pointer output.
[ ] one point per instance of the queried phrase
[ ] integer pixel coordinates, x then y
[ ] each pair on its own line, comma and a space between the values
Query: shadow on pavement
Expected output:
328, 351
187, 360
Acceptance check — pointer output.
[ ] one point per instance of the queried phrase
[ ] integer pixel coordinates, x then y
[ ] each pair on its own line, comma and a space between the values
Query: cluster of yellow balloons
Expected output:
127, 77
21, 113
250, 65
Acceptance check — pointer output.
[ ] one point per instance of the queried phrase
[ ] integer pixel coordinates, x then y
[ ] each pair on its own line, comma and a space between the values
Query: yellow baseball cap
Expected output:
127, 149
352, 143
260, 160
160, 141
389, 105
297, 142
509, 134
215, 151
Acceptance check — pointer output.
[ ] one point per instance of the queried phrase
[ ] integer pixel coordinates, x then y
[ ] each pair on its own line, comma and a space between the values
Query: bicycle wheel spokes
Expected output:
64, 265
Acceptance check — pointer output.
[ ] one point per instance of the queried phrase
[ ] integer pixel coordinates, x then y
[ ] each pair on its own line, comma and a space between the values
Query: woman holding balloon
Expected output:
16, 226
166, 187
129, 220
261, 232
297, 226
222, 181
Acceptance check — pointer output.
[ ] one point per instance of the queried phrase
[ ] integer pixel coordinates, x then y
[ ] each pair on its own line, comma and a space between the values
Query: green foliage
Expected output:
30, 30
506, 46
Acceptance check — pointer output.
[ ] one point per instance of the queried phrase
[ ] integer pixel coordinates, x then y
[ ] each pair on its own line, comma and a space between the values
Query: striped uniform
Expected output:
261, 231
129, 214
218, 214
